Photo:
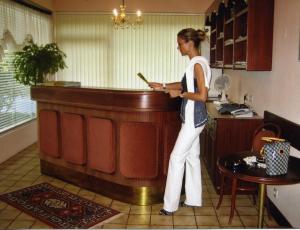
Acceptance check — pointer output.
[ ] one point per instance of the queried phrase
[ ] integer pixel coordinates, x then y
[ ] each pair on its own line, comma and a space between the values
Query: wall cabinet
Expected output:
224, 135
241, 34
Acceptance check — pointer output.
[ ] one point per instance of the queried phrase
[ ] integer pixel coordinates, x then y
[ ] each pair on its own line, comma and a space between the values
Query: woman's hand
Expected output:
156, 85
174, 93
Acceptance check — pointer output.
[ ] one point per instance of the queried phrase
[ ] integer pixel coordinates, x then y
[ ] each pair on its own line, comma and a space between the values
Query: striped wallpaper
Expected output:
100, 56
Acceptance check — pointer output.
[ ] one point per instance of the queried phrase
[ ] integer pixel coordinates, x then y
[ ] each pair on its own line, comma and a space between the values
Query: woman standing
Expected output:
193, 90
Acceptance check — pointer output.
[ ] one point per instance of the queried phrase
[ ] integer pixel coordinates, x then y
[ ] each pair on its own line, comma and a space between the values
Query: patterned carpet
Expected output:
59, 208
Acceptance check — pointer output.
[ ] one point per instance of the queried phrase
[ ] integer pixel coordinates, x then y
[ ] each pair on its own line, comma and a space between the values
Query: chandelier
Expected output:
122, 21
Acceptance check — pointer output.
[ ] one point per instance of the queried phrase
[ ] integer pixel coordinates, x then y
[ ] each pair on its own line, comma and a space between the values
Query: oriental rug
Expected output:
59, 208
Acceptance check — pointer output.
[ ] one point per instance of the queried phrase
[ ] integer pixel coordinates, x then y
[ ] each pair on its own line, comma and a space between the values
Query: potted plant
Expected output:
34, 62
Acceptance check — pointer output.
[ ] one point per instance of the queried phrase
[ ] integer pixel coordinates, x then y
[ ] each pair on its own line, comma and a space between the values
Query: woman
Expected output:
193, 90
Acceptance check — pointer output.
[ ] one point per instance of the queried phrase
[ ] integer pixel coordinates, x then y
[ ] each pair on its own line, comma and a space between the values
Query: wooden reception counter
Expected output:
112, 141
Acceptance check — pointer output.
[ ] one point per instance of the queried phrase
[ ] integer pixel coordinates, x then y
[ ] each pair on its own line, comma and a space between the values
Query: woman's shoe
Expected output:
165, 213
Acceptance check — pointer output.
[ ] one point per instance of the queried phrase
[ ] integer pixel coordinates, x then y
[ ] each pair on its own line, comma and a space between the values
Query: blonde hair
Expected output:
190, 34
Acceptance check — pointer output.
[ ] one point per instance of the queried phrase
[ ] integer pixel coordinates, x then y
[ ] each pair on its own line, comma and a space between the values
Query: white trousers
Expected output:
185, 154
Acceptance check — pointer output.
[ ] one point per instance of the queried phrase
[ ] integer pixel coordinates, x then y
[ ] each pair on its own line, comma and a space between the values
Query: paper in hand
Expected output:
141, 76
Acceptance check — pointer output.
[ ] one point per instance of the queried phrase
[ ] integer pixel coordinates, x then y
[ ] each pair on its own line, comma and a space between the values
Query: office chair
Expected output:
265, 130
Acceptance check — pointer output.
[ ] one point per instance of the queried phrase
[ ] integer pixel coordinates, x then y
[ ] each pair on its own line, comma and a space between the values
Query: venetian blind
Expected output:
100, 56
16, 22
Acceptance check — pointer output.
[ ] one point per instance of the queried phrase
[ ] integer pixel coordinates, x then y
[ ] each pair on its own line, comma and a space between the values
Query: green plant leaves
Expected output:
34, 62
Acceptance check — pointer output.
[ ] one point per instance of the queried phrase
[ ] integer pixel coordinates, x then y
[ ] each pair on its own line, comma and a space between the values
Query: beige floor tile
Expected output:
224, 211
185, 227
120, 206
72, 188
140, 209
236, 221
206, 202
40, 225
58, 183
7, 183
161, 220
13, 177
139, 219
23, 184
18, 224
120, 220
245, 202
4, 223
3, 189
205, 211
249, 221
114, 226
225, 202
138, 226
247, 211
184, 211
155, 209
8, 214
161, 226
184, 220
24, 216
84, 192
105, 201
205, 194
7, 171
3, 205
208, 227
207, 221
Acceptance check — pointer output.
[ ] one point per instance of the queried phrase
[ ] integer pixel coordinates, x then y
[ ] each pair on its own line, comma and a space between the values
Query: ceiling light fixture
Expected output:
122, 21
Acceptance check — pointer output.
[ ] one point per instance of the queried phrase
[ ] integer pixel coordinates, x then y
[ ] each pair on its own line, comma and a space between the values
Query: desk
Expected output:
115, 142
258, 175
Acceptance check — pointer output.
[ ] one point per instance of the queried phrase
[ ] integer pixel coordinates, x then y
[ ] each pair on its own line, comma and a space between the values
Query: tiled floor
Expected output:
23, 170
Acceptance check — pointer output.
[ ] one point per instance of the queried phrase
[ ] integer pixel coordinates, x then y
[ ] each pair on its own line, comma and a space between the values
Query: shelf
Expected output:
240, 65
232, 27
240, 39
228, 66
229, 21
241, 13
228, 42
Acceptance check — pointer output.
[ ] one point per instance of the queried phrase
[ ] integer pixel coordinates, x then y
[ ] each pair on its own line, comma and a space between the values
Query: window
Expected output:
18, 21
100, 56
15, 104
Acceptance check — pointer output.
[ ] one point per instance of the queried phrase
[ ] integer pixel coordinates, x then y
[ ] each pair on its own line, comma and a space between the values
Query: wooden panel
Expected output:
139, 150
260, 34
100, 142
73, 136
49, 133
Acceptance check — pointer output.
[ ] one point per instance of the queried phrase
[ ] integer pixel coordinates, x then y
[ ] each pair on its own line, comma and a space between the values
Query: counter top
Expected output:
107, 98
213, 113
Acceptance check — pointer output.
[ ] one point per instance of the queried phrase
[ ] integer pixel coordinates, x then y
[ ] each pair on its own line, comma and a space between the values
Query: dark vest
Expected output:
200, 113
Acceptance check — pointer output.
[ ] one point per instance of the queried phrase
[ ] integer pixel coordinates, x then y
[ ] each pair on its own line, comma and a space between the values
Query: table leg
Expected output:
262, 192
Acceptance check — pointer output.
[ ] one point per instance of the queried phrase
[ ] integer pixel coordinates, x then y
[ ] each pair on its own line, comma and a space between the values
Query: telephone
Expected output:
240, 111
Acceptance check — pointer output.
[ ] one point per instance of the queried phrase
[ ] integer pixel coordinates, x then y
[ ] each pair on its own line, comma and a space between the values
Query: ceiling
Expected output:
146, 6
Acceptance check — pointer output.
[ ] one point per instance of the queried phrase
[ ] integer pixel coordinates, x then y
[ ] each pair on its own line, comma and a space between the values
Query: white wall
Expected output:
13, 141
278, 91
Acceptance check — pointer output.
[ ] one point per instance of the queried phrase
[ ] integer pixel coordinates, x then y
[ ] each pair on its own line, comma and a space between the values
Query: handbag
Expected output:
276, 153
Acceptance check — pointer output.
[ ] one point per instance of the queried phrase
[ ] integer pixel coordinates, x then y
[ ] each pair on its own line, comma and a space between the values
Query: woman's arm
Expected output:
168, 86
203, 91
